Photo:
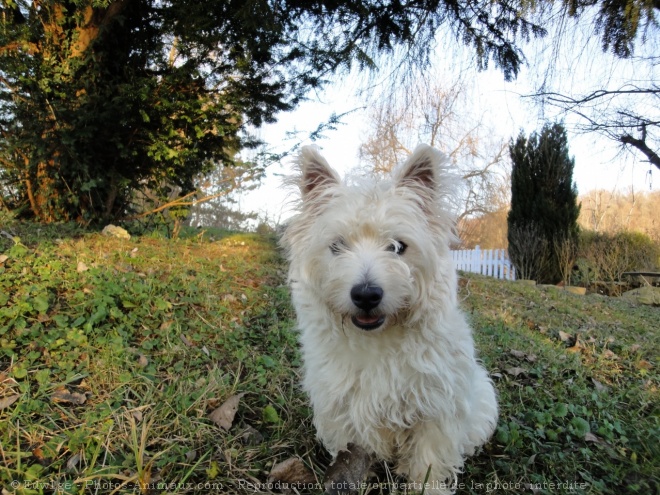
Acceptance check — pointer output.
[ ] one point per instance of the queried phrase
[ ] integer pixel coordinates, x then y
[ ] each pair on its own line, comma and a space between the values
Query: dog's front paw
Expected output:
426, 480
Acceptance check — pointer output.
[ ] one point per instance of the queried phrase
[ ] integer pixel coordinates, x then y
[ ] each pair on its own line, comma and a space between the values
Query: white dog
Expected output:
389, 360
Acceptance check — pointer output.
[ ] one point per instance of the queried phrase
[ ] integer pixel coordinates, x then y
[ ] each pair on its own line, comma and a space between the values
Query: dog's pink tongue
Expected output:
367, 320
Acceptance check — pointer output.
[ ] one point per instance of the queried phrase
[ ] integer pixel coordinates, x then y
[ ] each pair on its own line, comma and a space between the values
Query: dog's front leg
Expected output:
430, 459
334, 433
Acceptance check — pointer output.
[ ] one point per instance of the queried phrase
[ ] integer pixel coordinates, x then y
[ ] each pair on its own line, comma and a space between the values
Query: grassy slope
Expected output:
155, 334
578, 384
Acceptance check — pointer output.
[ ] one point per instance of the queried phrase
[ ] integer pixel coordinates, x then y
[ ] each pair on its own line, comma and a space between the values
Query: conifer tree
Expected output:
544, 209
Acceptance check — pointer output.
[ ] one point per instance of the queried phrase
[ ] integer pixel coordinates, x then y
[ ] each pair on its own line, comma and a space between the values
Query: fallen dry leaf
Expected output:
607, 354
590, 437
523, 355
532, 488
576, 347
598, 385
3, 258
82, 267
251, 436
38, 454
349, 470
223, 416
68, 397
565, 337
5, 402
142, 361
73, 462
515, 371
291, 475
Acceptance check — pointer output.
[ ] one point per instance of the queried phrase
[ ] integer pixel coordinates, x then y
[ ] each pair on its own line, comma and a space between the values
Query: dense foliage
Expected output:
619, 21
544, 210
604, 257
102, 98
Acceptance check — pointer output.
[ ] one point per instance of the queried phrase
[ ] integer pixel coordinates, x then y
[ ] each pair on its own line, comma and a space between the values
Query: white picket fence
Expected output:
490, 262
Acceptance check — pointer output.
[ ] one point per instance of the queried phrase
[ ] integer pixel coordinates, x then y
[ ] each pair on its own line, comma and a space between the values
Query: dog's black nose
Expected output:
366, 297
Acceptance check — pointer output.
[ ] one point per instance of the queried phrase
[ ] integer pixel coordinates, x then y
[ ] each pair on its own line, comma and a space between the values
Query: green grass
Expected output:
150, 335
154, 334
578, 385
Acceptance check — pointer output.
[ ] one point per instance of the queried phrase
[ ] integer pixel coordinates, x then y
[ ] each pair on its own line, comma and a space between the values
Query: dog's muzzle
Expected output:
367, 297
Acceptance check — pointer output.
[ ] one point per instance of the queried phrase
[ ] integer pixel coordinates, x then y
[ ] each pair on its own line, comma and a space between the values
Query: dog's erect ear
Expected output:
316, 173
422, 168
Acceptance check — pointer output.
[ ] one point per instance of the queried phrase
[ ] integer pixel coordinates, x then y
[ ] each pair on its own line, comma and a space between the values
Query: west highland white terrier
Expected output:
389, 360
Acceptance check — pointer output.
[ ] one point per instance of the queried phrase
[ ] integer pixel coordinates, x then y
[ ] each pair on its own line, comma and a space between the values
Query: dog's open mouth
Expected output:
368, 322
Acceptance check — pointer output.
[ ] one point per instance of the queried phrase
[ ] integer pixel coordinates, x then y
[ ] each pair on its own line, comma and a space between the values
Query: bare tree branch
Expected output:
641, 145
562, 99
612, 113
436, 115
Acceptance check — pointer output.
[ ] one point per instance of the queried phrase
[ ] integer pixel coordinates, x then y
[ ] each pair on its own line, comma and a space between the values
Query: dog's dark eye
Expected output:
338, 246
398, 247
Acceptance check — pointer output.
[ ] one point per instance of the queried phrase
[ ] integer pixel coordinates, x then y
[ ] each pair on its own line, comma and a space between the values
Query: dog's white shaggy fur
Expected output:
389, 360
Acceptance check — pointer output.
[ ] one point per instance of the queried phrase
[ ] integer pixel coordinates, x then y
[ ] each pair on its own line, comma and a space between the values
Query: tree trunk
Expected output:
111, 197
